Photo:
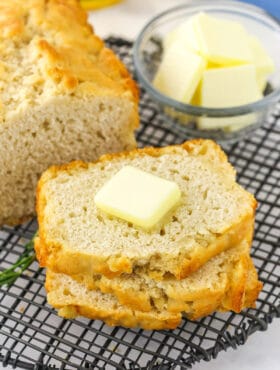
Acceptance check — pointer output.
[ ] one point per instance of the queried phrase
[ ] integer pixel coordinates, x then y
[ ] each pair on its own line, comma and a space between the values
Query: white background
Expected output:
262, 350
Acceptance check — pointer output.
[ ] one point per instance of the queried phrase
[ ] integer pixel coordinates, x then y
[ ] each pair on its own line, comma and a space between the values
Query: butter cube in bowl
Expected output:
212, 67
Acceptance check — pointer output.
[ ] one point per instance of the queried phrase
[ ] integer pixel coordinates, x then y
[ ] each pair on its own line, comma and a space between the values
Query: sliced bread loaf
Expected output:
73, 299
215, 213
64, 97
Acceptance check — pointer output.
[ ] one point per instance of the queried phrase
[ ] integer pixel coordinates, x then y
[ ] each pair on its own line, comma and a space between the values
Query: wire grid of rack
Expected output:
32, 336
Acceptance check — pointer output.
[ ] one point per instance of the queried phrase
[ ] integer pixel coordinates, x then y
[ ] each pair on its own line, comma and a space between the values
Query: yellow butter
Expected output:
179, 73
263, 62
228, 87
137, 196
184, 34
222, 41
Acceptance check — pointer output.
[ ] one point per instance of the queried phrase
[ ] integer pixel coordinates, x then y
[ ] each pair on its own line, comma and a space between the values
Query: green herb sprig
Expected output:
9, 276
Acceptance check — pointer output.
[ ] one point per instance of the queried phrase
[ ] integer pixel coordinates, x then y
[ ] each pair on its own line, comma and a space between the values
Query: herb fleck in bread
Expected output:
64, 97
73, 299
215, 214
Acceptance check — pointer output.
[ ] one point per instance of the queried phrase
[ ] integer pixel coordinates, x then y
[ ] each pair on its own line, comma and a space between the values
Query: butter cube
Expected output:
222, 41
179, 73
228, 87
263, 62
184, 34
138, 197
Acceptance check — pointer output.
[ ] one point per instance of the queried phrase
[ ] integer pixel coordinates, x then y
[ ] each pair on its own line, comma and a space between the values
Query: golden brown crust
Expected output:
254, 286
252, 294
11, 23
234, 298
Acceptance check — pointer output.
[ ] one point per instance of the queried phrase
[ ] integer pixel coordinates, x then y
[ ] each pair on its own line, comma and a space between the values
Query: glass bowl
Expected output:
147, 53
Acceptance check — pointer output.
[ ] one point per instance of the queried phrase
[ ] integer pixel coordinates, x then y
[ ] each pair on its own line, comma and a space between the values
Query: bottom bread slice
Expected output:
73, 299
223, 278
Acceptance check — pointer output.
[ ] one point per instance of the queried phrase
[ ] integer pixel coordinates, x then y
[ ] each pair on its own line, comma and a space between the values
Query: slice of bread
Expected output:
222, 279
215, 214
64, 97
73, 299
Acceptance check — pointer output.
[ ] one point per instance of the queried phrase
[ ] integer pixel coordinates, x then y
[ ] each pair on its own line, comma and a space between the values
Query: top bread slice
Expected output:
215, 213
64, 97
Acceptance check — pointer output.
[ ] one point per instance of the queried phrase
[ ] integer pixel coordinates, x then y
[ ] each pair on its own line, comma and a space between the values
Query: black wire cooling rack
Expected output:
32, 336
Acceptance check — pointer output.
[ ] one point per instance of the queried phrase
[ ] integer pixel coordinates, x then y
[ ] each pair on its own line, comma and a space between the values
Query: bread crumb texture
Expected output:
63, 96
215, 214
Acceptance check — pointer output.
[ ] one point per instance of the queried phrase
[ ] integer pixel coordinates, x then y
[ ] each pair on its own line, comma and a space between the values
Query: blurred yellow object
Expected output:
96, 4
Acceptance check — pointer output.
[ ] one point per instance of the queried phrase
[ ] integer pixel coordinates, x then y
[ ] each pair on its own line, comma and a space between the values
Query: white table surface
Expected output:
262, 350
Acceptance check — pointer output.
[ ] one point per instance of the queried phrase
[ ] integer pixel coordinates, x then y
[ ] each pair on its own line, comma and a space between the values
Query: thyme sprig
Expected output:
9, 275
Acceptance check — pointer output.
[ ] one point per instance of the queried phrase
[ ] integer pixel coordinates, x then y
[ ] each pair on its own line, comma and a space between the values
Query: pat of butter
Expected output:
263, 62
222, 41
179, 73
184, 34
229, 87
138, 196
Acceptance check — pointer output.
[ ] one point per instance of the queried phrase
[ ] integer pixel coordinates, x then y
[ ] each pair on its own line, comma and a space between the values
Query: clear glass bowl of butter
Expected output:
213, 67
